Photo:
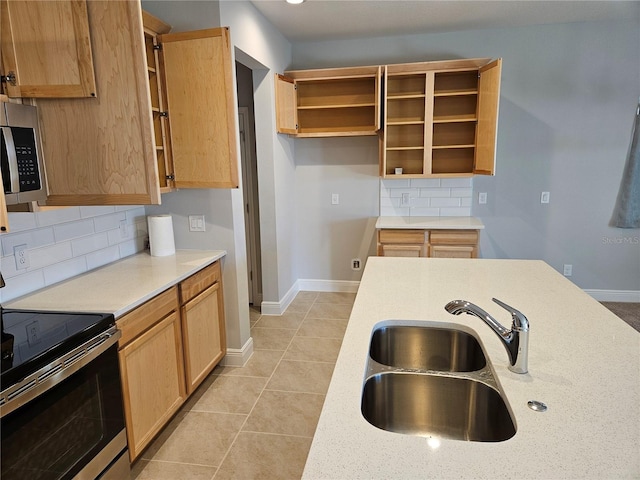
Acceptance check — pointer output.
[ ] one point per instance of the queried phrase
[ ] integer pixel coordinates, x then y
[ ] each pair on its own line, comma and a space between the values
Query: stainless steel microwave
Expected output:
23, 176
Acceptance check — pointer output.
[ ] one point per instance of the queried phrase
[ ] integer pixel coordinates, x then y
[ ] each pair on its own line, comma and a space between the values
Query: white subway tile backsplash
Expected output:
424, 212
445, 202
31, 238
84, 245
456, 212
22, 221
103, 257
45, 256
435, 192
63, 270
69, 230
73, 241
394, 211
456, 182
54, 216
425, 182
461, 192
21, 285
95, 211
428, 197
108, 222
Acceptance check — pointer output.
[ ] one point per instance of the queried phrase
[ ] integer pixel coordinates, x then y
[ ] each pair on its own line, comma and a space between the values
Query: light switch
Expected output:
335, 199
482, 198
196, 223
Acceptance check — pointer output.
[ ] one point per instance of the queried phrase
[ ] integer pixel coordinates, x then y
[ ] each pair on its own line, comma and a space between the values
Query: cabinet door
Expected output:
200, 98
151, 369
286, 105
153, 27
99, 151
46, 45
488, 100
203, 334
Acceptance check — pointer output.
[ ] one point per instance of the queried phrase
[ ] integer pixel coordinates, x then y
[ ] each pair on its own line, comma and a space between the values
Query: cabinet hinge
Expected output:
297, 126
157, 46
9, 78
163, 114
170, 177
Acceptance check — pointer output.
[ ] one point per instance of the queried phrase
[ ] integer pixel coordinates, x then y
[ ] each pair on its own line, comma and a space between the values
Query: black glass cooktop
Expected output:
33, 339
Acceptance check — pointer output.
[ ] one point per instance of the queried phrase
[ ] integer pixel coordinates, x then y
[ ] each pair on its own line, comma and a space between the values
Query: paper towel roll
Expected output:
161, 235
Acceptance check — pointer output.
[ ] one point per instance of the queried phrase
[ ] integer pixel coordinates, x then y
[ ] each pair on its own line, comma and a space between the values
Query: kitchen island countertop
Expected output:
119, 286
584, 363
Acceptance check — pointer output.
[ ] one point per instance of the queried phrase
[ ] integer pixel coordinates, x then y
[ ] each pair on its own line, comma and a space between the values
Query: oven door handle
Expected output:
50, 375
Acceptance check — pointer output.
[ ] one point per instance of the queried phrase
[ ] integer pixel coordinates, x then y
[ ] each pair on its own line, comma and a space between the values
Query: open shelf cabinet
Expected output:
331, 102
440, 118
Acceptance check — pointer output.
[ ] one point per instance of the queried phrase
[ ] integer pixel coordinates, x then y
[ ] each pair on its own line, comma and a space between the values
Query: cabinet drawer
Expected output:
198, 282
454, 237
145, 316
447, 251
403, 250
402, 236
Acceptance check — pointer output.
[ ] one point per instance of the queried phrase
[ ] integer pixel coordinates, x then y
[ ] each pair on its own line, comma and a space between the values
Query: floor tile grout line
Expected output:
257, 400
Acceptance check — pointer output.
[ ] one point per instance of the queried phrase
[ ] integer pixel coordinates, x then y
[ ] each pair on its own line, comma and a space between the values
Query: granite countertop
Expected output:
431, 223
583, 363
120, 286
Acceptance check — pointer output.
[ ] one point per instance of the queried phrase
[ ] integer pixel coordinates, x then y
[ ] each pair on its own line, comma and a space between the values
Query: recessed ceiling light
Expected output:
295, 2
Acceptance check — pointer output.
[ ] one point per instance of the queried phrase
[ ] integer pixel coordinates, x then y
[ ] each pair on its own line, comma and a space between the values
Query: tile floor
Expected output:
257, 421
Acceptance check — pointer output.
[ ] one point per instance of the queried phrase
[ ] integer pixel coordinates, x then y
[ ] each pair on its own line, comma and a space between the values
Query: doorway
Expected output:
249, 167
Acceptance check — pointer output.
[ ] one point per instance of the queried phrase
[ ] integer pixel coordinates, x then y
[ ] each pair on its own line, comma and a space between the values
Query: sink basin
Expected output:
432, 405
426, 348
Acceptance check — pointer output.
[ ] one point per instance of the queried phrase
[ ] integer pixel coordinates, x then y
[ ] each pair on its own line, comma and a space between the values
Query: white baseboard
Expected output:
308, 285
237, 357
311, 285
631, 296
278, 308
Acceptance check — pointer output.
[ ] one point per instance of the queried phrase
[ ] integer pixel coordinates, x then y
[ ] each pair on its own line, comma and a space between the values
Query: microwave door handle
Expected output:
12, 160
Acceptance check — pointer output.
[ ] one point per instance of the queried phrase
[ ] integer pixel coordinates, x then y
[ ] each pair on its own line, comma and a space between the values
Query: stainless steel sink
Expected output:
446, 407
427, 348
433, 380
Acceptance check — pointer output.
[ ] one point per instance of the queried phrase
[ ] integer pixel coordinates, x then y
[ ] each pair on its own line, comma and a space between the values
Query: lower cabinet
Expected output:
168, 346
428, 243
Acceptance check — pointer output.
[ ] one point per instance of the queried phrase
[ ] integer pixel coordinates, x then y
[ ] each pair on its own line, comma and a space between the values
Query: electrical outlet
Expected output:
567, 270
482, 198
22, 256
545, 197
406, 200
335, 199
33, 332
356, 264
124, 231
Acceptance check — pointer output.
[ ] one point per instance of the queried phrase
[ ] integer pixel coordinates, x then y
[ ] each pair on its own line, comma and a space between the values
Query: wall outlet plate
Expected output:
545, 197
482, 198
22, 256
356, 264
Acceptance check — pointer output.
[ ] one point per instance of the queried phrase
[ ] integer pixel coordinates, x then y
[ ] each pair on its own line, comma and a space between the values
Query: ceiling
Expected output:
316, 20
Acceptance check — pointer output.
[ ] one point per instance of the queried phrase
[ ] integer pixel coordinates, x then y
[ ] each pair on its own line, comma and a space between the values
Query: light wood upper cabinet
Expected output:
329, 102
440, 118
198, 79
46, 49
100, 151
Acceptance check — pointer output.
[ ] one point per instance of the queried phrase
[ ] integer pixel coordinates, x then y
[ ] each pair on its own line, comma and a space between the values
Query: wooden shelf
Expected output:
337, 105
455, 118
405, 148
404, 97
441, 147
453, 93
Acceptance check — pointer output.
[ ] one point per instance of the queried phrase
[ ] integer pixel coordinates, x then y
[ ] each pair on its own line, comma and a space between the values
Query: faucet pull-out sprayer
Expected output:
516, 340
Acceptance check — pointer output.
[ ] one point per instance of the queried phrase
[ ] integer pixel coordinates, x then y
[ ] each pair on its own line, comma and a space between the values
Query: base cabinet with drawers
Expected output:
168, 347
433, 243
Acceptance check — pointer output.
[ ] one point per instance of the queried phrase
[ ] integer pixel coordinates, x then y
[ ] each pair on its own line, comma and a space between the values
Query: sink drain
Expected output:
537, 406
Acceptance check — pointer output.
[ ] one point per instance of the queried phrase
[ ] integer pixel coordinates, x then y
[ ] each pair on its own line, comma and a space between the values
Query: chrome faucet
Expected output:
516, 340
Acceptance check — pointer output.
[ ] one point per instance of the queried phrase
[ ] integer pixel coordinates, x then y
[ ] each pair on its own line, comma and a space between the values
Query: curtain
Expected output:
627, 211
